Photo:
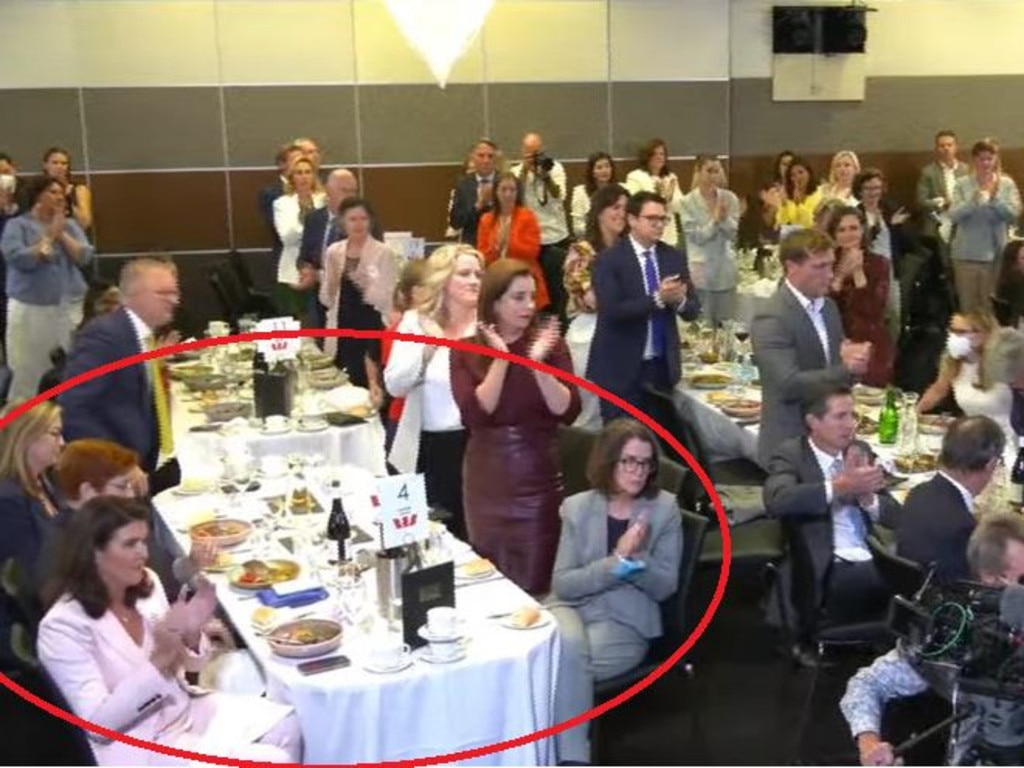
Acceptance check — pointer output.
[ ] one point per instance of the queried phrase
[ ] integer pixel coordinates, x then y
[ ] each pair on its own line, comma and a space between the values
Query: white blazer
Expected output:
639, 180
109, 680
289, 229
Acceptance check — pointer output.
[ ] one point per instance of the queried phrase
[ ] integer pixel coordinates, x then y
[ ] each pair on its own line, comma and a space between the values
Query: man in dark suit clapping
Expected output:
641, 284
798, 340
130, 406
474, 194
938, 516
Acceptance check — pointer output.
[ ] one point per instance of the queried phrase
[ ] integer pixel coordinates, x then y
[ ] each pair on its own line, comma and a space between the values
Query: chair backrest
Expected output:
673, 608
574, 446
241, 269
672, 477
901, 576
666, 410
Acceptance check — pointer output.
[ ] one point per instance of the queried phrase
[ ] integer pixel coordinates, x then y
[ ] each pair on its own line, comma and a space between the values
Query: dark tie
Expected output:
658, 318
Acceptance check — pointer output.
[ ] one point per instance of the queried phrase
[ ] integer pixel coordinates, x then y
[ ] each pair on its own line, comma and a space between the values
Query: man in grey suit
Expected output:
935, 187
798, 340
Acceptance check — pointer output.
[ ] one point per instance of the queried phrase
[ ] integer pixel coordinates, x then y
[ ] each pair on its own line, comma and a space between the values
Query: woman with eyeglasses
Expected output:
618, 558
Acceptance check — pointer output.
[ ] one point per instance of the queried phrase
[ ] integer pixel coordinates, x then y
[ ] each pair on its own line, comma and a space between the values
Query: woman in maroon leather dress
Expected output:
861, 289
512, 479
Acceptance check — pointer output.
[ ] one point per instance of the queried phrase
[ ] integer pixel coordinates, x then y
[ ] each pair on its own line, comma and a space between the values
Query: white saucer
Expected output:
405, 663
543, 621
461, 575
430, 637
179, 491
279, 431
315, 428
424, 654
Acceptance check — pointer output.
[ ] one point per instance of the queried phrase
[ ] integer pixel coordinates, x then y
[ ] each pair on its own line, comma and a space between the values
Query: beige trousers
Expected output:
975, 281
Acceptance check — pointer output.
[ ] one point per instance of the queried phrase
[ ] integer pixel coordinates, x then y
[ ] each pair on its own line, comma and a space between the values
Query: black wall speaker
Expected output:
793, 29
843, 30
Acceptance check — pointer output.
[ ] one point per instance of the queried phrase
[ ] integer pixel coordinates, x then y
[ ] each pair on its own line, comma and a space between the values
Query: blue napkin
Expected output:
293, 599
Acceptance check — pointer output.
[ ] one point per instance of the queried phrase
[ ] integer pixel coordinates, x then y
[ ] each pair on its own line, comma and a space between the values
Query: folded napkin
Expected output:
292, 594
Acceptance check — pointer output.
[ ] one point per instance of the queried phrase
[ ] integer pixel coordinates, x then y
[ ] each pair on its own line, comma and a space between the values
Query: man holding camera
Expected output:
543, 181
995, 553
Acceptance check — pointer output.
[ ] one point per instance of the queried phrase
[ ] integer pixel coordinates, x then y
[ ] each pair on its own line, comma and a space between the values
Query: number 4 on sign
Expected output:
403, 510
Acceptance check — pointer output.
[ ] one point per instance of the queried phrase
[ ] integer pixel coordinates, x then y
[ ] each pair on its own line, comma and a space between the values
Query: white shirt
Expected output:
814, 309
948, 178
847, 543
964, 492
143, 333
549, 210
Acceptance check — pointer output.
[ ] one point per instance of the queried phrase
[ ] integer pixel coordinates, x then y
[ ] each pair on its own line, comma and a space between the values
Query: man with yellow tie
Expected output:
130, 406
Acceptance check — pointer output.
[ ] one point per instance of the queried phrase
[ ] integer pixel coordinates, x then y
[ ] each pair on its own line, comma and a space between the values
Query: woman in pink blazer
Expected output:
118, 651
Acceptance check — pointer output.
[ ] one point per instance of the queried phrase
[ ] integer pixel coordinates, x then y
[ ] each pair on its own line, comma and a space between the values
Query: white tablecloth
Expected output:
361, 444
502, 690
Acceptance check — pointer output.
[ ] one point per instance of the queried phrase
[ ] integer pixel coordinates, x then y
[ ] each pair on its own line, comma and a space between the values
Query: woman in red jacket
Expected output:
511, 231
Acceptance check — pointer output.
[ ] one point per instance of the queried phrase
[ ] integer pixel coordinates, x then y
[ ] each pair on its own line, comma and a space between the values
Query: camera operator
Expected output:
995, 553
543, 181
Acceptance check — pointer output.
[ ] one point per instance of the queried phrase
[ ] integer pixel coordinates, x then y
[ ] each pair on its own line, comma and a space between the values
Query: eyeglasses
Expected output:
631, 464
663, 220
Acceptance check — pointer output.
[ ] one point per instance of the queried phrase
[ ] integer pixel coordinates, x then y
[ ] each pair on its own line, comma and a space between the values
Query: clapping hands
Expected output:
492, 337
855, 356
546, 338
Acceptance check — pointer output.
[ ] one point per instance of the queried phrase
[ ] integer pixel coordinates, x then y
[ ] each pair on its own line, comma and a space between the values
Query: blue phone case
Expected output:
295, 600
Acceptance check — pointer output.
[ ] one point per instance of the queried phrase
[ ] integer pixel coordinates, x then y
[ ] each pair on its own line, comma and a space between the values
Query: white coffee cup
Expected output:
389, 652
276, 422
312, 421
217, 328
442, 621
274, 466
445, 650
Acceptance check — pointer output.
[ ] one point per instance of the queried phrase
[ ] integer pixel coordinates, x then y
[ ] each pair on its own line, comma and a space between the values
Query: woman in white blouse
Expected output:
653, 175
711, 217
600, 173
430, 437
845, 167
303, 195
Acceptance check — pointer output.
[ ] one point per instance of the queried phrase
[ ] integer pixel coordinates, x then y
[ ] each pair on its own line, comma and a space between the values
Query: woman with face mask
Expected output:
961, 372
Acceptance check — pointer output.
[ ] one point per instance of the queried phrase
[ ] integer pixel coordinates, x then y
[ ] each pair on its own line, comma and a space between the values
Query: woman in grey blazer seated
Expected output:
618, 557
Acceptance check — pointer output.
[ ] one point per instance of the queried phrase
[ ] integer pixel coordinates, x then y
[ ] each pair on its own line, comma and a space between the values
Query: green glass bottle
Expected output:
889, 419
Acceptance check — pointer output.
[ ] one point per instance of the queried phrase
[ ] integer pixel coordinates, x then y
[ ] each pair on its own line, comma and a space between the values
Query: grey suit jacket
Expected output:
932, 184
981, 228
583, 568
792, 364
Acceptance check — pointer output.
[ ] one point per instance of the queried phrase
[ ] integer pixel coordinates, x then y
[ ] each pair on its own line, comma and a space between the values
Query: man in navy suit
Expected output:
641, 285
938, 515
121, 406
474, 194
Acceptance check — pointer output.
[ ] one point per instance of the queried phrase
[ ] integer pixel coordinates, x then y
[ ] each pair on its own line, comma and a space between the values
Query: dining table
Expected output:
501, 687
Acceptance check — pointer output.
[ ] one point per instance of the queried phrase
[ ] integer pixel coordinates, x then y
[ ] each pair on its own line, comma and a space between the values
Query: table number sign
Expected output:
403, 510
276, 350
422, 590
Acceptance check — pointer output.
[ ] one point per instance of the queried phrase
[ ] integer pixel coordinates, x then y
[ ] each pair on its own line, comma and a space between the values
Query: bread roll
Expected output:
526, 616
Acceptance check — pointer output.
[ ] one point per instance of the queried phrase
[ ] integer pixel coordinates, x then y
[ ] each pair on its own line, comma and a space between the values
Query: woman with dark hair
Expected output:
802, 196
119, 652
77, 197
44, 252
1008, 297
360, 274
29, 509
781, 165
860, 287
600, 173
653, 174
512, 480
606, 221
618, 558
510, 231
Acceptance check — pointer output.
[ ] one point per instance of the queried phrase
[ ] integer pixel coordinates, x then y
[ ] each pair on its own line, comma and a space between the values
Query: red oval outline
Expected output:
466, 346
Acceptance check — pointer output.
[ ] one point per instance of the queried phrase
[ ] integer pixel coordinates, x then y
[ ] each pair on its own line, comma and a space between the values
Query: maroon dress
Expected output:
512, 477
863, 314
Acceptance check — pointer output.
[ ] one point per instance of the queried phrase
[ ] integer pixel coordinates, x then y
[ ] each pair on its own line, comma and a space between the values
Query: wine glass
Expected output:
239, 471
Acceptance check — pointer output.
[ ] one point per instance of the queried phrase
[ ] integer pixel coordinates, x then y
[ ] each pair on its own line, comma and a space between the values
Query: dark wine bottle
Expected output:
1017, 475
338, 526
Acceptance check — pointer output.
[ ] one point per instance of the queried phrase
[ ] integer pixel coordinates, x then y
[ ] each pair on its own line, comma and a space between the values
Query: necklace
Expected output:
125, 615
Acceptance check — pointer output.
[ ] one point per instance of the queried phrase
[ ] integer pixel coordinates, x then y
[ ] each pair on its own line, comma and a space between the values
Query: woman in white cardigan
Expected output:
711, 219
118, 652
430, 437
654, 175
303, 195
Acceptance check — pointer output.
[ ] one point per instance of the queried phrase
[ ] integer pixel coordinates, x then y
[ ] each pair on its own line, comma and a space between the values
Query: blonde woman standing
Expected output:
303, 195
430, 437
843, 170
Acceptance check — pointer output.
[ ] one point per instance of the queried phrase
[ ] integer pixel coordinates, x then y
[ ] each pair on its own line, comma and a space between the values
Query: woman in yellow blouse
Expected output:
802, 196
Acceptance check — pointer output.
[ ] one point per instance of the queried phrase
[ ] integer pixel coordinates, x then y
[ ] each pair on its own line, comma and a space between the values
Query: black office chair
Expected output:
574, 447
673, 619
235, 300
902, 576
260, 302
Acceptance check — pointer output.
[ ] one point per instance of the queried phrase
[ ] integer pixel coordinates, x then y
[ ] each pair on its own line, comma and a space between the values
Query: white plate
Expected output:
430, 637
181, 491
314, 428
543, 621
280, 431
424, 654
461, 575
405, 663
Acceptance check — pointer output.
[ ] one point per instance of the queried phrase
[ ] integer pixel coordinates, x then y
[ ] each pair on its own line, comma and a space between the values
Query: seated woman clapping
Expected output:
618, 557
118, 651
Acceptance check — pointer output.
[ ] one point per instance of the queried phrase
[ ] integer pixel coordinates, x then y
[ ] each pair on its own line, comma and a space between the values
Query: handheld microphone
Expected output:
187, 574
